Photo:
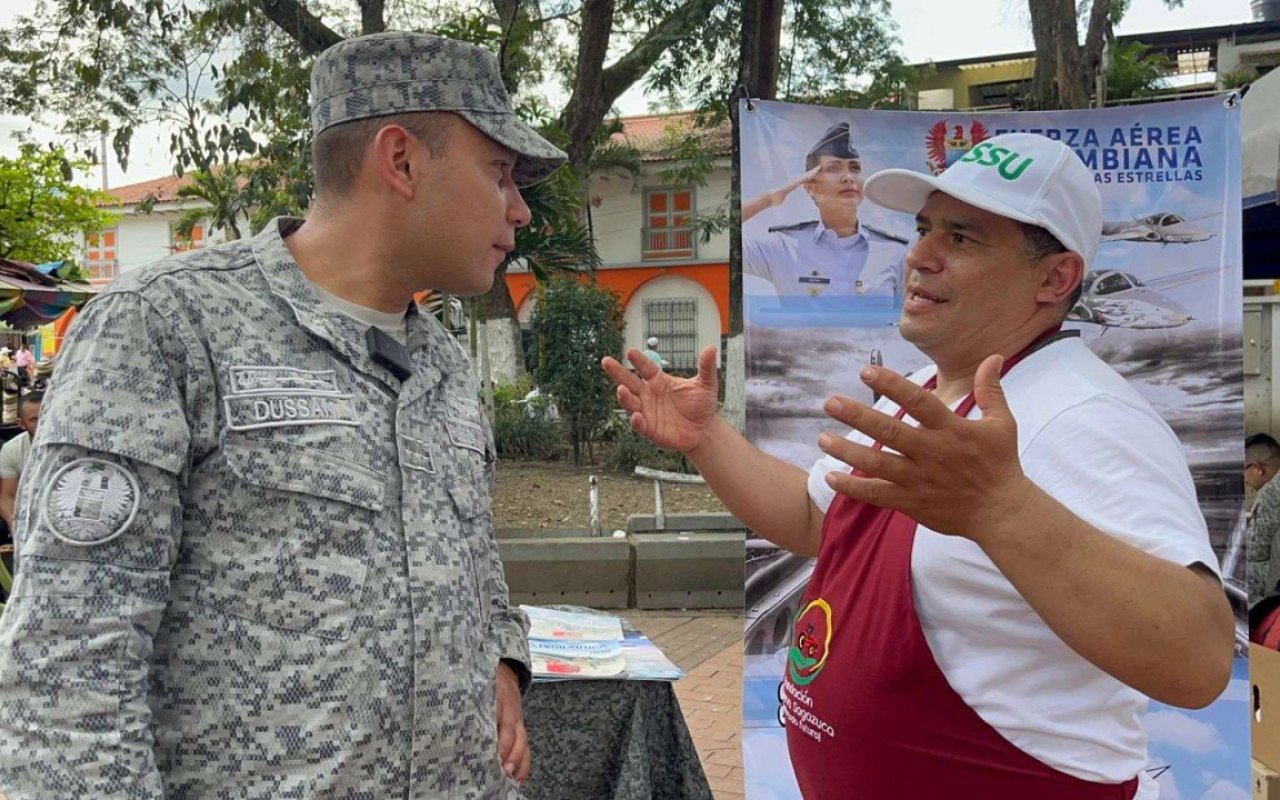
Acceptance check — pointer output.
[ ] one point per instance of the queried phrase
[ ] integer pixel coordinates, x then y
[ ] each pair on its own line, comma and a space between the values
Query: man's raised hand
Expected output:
672, 412
953, 475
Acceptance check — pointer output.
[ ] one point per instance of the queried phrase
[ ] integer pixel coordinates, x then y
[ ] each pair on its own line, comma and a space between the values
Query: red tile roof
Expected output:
649, 135
162, 189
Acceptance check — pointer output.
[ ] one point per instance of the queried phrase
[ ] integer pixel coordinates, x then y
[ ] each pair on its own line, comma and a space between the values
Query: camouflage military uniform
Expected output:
253, 563
1263, 562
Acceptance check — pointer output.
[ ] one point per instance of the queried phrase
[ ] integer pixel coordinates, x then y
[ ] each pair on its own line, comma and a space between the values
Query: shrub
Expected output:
631, 450
524, 430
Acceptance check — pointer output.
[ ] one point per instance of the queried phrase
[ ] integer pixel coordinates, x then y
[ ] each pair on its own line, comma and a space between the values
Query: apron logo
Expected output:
90, 501
812, 643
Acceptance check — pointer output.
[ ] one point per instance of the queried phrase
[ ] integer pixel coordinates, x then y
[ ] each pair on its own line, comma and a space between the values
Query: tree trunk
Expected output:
497, 312
1065, 70
758, 72
587, 105
372, 18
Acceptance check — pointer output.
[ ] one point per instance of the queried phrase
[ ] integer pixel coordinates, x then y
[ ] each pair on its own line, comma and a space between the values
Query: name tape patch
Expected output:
250, 412
270, 380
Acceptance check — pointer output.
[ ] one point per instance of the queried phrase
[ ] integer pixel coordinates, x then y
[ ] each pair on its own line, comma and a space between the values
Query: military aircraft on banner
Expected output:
1159, 228
1115, 299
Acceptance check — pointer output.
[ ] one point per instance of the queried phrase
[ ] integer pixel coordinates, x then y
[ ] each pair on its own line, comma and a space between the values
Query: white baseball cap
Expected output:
653, 341
1022, 176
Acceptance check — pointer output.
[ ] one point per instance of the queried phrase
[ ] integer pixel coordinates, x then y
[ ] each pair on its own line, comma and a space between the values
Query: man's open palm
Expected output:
674, 413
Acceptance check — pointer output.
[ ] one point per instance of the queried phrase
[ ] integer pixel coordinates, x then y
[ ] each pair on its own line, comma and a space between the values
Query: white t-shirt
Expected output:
13, 455
1087, 438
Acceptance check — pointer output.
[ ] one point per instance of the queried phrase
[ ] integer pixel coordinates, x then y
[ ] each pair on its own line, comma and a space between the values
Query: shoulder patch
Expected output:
886, 235
799, 226
90, 501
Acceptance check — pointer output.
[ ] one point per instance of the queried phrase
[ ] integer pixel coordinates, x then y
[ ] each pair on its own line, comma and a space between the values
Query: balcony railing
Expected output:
666, 243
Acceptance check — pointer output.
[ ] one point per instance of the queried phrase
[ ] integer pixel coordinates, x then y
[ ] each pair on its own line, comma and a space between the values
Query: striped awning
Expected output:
32, 296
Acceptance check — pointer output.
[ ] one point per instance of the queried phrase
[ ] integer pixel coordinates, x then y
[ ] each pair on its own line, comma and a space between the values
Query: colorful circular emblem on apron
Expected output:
90, 501
812, 642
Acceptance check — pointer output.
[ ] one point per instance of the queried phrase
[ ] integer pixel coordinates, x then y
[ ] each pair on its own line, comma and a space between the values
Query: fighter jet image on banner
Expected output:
1159, 228
1116, 299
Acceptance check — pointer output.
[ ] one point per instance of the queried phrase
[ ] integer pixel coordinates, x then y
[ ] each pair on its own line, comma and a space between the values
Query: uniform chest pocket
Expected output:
291, 548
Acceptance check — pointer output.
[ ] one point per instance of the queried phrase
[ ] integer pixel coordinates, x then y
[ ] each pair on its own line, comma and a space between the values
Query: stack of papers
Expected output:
568, 645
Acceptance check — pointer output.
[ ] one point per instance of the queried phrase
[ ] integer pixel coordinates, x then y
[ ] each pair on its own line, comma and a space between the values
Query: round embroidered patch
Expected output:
90, 501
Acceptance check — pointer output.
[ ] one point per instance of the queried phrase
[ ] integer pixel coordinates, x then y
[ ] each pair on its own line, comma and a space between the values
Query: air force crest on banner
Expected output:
948, 143
90, 501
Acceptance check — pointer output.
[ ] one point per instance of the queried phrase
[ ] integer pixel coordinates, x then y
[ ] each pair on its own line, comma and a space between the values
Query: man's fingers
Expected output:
707, 366
521, 758
875, 463
506, 734
921, 405
892, 433
644, 367
629, 402
988, 394
639, 424
872, 491
621, 375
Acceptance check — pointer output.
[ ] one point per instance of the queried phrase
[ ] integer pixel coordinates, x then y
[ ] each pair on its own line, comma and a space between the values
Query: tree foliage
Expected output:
575, 325
1066, 68
42, 210
1133, 71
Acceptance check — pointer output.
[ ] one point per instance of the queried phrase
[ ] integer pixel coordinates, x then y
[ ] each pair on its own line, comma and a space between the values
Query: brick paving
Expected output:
708, 646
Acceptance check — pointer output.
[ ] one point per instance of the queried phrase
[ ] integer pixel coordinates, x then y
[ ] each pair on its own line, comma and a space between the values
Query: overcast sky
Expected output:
928, 30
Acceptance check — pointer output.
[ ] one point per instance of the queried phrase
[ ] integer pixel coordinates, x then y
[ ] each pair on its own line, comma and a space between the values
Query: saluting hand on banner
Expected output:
950, 474
776, 197
672, 412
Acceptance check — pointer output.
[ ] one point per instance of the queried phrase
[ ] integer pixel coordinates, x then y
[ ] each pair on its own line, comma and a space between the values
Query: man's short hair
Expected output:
1263, 449
30, 398
338, 152
1038, 243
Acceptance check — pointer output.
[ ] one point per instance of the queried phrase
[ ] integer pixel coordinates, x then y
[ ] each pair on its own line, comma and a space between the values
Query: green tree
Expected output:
576, 325
1133, 71
42, 210
1066, 68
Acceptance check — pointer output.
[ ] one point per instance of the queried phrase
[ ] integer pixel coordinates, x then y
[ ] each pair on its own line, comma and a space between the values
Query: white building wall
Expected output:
673, 287
617, 215
142, 239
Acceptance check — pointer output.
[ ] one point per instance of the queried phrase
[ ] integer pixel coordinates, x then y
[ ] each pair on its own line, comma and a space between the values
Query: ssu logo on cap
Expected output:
987, 155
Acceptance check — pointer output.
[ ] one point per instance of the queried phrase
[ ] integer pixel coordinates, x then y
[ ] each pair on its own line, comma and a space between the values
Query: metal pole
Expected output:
595, 507
659, 514
104, 159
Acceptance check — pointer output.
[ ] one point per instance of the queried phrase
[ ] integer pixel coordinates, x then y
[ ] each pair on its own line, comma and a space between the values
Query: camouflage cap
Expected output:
399, 73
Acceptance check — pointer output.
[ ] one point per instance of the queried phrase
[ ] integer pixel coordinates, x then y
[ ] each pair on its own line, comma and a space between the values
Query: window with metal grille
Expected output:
100, 252
668, 224
675, 322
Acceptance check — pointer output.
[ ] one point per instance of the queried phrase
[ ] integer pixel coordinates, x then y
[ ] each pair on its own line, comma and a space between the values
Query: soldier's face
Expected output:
470, 212
968, 280
838, 184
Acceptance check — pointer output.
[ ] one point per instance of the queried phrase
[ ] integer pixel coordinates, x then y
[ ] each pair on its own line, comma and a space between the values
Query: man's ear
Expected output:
1063, 273
392, 160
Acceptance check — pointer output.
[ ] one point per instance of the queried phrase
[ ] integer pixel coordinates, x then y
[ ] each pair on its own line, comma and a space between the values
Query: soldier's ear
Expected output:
391, 161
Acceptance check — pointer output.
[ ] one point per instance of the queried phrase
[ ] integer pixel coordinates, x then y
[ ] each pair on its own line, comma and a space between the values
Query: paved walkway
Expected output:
707, 645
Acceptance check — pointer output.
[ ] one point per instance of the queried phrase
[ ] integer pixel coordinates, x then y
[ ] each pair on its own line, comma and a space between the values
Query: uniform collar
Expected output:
431, 350
820, 229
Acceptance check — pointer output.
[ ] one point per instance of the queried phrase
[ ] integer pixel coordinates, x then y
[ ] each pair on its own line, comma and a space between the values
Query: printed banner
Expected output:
1161, 304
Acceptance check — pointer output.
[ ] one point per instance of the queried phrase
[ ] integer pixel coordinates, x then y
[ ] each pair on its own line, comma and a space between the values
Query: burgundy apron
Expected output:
869, 714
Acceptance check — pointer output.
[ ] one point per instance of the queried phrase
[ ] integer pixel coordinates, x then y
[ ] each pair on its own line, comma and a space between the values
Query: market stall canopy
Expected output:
32, 296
